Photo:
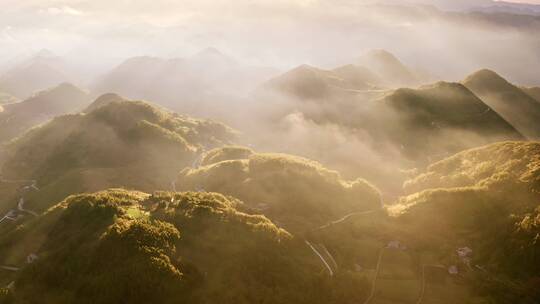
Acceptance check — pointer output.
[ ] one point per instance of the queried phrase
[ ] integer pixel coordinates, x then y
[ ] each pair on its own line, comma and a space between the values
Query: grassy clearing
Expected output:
136, 213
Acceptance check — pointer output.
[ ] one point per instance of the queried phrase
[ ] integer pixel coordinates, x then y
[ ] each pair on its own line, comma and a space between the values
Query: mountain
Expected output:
117, 245
509, 8
297, 192
305, 83
201, 81
42, 71
436, 120
20, 116
403, 128
486, 199
512, 103
358, 77
389, 68
104, 100
130, 144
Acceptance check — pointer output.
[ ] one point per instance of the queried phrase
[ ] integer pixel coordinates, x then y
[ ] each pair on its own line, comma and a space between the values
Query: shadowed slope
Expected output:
513, 104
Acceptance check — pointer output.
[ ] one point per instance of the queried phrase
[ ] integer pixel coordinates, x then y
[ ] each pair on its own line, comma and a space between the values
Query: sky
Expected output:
281, 33
525, 1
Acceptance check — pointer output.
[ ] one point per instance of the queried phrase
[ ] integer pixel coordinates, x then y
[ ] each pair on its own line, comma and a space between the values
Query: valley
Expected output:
273, 152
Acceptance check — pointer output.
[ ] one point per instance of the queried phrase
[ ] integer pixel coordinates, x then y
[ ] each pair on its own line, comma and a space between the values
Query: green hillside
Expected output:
436, 120
129, 144
512, 103
487, 199
124, 246
297, 192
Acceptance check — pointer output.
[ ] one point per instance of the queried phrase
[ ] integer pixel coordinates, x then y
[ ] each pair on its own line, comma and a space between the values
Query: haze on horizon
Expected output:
100, 34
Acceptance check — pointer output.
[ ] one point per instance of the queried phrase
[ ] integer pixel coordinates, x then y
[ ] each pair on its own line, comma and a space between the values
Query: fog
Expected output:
96, 35
214, 59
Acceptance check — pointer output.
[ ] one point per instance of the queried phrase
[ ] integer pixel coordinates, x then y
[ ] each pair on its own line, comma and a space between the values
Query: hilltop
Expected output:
389, 68
512, 103
306, 82
104, 100
119, 245
436, 120
20, 116
131, 144
295, 191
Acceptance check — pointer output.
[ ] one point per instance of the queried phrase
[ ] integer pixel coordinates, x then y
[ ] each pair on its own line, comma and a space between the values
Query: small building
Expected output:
31, 258
464, 252
396, 245
453, 270
393, 245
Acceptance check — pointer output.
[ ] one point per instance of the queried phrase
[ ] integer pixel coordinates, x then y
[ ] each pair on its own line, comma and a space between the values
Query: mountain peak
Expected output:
381, 54
103, 100
66, 87
485, 73
388, 67
485, 79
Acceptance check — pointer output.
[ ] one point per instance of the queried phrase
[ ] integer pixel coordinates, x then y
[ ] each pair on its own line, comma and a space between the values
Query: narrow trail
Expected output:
374, 284
321, 257
20, 206
10, 215
10, 268
423, 290
346, 217
330, 256
327, 225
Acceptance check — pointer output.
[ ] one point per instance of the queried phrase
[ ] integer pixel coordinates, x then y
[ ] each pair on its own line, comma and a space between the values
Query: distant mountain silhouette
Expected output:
20, 116
389, 68
42, 71
191, 85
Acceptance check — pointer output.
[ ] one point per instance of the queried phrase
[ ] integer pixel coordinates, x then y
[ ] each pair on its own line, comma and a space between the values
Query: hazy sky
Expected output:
525, 1
280, 33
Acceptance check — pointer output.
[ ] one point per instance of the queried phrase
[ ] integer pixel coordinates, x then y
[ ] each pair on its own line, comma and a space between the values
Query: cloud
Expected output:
64, 10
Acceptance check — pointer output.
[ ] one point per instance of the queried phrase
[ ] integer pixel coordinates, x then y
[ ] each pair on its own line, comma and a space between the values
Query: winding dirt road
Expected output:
320, 257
